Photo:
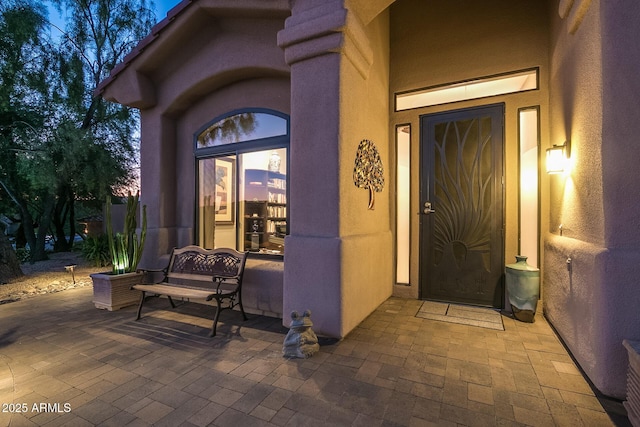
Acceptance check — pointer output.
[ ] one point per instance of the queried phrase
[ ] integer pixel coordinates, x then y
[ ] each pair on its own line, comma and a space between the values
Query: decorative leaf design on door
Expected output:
462, 188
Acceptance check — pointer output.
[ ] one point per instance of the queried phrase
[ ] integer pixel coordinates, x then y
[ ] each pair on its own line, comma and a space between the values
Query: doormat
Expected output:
461, 314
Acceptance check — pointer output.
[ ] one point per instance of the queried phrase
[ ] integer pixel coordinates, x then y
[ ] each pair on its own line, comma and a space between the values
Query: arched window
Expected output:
241, 127
242, 171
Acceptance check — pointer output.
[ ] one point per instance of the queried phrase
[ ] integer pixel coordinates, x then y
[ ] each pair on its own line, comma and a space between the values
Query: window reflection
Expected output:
260, 197
242, 127
242, 190
216, 184
263, 212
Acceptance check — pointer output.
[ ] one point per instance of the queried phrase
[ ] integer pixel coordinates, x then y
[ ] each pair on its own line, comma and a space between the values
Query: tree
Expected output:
368, 172
9, 263
63, 142
25, 66
99, 34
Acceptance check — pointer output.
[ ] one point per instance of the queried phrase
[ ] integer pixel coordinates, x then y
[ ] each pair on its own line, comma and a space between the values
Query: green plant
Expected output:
126, 247
96, 250
23, 254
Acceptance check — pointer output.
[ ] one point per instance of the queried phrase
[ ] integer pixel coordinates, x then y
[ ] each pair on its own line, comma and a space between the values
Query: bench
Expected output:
200, 274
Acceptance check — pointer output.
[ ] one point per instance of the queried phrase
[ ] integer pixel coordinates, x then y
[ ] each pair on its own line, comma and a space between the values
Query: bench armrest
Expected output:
153, 271
221, 280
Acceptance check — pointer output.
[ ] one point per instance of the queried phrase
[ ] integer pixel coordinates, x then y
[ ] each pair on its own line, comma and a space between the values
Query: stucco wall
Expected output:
339, 253
594, 103
621, 124
621, 193
592, 304
201, 67
367, 261
571, 302
266, 92
576, 115
437, 43
158, 185
214, 58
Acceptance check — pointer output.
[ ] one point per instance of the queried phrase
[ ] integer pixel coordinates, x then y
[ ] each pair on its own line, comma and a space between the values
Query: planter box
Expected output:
632, 405
113, 291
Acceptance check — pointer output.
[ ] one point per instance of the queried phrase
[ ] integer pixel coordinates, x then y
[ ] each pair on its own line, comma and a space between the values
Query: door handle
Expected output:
427, 208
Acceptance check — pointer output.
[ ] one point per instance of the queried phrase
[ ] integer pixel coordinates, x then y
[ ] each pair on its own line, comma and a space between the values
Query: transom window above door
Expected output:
482, 87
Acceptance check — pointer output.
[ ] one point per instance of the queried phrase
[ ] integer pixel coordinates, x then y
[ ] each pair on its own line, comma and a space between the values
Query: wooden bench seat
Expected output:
194, 273
177, 291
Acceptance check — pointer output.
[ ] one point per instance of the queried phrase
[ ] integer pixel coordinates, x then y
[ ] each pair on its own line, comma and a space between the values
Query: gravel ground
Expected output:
49, 276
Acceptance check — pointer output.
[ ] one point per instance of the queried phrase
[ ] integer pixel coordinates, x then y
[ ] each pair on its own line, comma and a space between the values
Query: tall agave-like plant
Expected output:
126, 247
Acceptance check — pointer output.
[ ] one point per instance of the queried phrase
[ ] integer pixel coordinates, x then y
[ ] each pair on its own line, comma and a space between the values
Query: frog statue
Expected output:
301, 342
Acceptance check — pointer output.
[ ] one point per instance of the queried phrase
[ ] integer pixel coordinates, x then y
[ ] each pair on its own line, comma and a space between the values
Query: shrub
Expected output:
23, 254
96, 250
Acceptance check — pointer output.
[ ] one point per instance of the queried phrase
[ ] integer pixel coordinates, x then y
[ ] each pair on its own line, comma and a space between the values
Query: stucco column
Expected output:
311, 41
158, 184
325, 46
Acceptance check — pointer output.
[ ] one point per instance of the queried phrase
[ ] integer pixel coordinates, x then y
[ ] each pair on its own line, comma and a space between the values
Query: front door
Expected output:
461, 203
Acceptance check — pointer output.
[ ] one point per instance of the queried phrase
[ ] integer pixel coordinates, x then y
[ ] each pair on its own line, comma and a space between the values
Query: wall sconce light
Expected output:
558, 158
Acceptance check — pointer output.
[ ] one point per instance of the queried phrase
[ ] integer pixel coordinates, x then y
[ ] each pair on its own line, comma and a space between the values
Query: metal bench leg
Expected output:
215, 318
244, 316
171, 301
140, 305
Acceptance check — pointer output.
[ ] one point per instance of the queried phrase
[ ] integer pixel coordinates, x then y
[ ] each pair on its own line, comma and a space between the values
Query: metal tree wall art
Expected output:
368, 171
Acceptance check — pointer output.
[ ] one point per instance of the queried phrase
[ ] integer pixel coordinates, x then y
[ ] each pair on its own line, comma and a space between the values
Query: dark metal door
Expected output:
461, 203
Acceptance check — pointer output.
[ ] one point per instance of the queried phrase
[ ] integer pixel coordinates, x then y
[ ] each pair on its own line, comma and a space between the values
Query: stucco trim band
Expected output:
325, 29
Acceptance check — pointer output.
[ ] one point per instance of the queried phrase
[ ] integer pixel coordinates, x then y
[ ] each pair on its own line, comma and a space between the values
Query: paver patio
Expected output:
94, 367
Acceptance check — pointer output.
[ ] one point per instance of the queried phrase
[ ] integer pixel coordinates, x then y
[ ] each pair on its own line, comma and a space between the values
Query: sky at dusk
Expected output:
161, 9
164, 6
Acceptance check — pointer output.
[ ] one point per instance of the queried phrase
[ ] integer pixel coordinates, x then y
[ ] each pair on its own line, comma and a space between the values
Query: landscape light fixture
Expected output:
71, 269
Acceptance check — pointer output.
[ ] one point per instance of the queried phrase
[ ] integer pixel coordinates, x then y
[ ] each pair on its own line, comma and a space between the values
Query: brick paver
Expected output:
64, 362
